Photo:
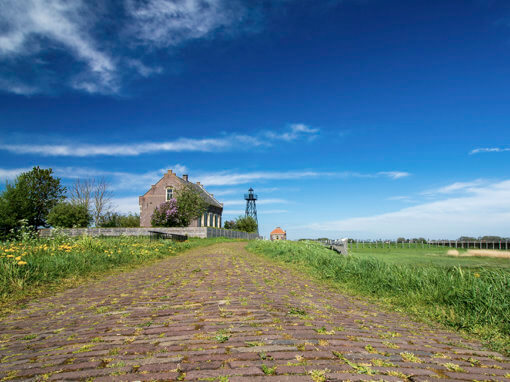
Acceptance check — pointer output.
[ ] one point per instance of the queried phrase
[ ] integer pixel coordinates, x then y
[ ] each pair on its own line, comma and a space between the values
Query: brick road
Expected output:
222, 314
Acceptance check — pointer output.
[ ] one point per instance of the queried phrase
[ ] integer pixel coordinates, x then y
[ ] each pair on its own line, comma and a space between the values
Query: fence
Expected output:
201, 232
479, 244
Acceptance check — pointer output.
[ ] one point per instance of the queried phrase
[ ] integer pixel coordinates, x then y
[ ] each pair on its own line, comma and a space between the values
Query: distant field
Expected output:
434, 256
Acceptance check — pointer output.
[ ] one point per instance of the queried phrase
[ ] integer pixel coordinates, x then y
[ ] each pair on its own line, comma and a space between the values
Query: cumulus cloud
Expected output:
484, 210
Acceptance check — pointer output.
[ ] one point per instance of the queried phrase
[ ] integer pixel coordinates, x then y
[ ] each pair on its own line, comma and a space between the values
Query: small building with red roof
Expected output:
278, 234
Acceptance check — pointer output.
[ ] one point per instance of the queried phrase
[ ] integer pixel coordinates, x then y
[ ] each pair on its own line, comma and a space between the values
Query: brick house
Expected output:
278, 234
165, 190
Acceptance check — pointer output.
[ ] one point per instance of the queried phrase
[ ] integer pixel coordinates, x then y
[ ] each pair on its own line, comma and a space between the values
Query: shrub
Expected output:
229, 224
179, 212
166, 215
68, 215
114, 219
246, 224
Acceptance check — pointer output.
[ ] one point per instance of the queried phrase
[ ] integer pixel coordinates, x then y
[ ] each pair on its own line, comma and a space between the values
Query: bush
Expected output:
114, 219
68, 215
166, 215
246, 224
179, 212
229, 224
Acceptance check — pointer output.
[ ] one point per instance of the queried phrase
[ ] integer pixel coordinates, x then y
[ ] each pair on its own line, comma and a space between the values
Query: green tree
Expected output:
190, 205
69, 215
32, 195
229, 224
246, 224
114, 219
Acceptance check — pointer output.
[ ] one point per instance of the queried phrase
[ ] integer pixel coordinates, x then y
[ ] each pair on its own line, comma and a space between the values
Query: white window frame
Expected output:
166, 193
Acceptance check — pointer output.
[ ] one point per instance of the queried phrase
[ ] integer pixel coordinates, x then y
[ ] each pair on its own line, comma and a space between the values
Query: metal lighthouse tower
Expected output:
251, 207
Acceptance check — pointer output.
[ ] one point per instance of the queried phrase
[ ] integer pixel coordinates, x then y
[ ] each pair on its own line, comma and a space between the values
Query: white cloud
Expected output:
226, 178
9, 174
236, 213
88, 150
120, 180
485, 210
163, 23
260, 202
454, 187
31, 24
227, 142
394, 174
31, 28
126, 205
489, 150
295, 131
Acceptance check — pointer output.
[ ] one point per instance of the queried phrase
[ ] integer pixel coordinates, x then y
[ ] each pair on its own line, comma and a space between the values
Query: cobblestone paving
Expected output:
222, 314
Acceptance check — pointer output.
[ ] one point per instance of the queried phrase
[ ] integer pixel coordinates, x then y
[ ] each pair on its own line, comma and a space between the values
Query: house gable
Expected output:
157, 195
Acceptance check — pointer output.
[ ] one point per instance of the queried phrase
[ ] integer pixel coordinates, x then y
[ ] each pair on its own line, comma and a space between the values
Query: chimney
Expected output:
170, 172
199, 183
185, 177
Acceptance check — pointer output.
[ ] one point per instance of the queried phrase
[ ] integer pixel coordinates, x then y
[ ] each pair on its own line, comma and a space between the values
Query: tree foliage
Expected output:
229, 224
69, 215
166, 215
246, 224
190, 205
31, 197
179, 212
114, 219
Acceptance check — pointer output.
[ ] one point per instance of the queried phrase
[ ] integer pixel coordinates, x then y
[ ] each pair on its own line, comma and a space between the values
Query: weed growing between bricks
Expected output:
477, 303
32, 267
219, 313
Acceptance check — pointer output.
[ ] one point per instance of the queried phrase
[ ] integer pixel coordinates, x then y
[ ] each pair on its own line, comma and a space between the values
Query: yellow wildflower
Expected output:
477, 274
18, 258
10, 256
22, 262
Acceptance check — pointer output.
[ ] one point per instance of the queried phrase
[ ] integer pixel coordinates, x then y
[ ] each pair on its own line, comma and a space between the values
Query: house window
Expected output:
169, 193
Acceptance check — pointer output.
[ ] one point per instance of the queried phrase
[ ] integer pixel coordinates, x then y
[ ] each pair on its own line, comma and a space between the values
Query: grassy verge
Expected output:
36, 268
474, 301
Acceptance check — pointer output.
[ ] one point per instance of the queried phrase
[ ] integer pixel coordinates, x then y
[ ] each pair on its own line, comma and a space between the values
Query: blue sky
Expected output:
359, 118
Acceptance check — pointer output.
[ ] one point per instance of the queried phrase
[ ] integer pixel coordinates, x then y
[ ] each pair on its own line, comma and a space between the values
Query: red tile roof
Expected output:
277, 230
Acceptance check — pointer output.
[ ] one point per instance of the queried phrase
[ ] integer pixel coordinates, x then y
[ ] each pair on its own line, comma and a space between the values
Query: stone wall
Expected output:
201, 232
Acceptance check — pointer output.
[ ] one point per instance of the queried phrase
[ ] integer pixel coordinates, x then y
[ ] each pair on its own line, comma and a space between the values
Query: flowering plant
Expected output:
166, 215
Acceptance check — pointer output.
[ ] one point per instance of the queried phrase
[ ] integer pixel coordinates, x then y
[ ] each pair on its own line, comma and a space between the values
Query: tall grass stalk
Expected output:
477, 302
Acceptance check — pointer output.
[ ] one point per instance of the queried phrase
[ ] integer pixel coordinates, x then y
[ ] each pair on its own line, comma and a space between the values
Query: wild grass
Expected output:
475, 300
29, 268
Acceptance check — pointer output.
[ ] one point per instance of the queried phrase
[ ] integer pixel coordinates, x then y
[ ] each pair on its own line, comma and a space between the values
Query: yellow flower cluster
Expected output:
14, 252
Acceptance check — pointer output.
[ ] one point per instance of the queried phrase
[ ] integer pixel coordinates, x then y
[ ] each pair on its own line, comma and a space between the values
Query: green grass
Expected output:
434, 256
30, 269
466, 296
